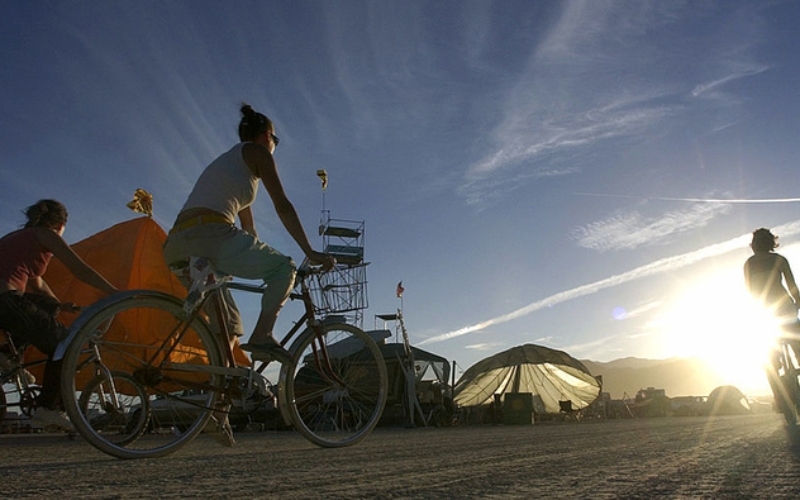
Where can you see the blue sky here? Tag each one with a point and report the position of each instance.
(573, 174)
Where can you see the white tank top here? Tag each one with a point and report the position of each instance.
(226, 186)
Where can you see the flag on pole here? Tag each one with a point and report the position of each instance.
(323, 176)
(400, 290)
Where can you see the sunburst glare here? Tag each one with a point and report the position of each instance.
(715, 320)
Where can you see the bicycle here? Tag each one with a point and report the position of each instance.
(22, 388)
(144, 372)
(783, 376)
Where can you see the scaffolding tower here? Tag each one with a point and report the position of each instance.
(343, 290)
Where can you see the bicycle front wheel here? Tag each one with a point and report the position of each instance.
(165, 375)
(3, 403)
(336, 391)
(116, 406)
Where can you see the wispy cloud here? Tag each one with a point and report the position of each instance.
(483, 346)
(553, 111)
(714, 85)
(529, 148)
(632, 230)
(657, 267)
(726, 201)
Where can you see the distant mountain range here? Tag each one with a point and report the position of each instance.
(678, 377)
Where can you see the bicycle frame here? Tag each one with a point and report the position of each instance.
(215, 298)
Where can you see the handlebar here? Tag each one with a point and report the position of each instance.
(307, 268)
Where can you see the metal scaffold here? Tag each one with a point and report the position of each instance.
(344, 289)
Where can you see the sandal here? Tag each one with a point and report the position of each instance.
(267, 352)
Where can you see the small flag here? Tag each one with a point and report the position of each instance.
(323, 176)
(400, 290)
(142, 202)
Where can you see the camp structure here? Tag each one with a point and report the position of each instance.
(431, 377)
(528, 378)
(128, 255)
(728, 400)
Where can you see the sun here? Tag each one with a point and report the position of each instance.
(715, 319)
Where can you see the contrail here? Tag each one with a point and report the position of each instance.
(740, 201)
(657, 267)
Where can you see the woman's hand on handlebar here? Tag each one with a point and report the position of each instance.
(322, 259)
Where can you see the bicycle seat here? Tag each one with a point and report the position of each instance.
(200, 276)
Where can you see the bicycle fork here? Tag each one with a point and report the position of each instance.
(102, 370)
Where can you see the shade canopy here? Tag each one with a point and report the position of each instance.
(548, 374)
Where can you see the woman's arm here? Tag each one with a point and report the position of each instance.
(40, 287)
(789, 279)
(262, 162)
(54, 243)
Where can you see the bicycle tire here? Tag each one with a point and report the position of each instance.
(787, 403)
(790, 414)
(126, 330)
(25, 395)
(117, 407)
(3, 403)
(29, 399)
(337, 403)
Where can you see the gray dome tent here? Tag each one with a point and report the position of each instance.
(728, 400)
(549, 375)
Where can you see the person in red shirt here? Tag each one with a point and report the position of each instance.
(28, 307)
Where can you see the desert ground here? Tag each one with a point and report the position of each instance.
(712, 457)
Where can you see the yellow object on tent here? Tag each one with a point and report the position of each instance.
(142, 202)
(129, 256)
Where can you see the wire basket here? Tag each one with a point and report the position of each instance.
(342, 289)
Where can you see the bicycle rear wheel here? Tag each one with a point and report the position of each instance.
(20, 394)
(165, 374)
(336, 391)
(786, 399)
(787, 390)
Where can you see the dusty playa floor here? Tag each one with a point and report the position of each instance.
(725, 457)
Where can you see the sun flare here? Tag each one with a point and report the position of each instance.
(715, 320)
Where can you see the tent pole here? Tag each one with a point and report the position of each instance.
(453, 385)
(411, 376)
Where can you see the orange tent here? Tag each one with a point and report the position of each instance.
(129, 256)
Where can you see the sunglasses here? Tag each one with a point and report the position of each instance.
(275, 139)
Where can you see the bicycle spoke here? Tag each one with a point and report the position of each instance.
(337, 389)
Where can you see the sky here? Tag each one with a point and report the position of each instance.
(579, 175)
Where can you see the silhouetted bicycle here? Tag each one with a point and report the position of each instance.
(783, 373)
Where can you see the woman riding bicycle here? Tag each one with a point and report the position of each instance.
(765, 273)
(28, 307)
(205, 228)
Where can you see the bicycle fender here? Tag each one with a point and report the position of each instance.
(98, 306)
